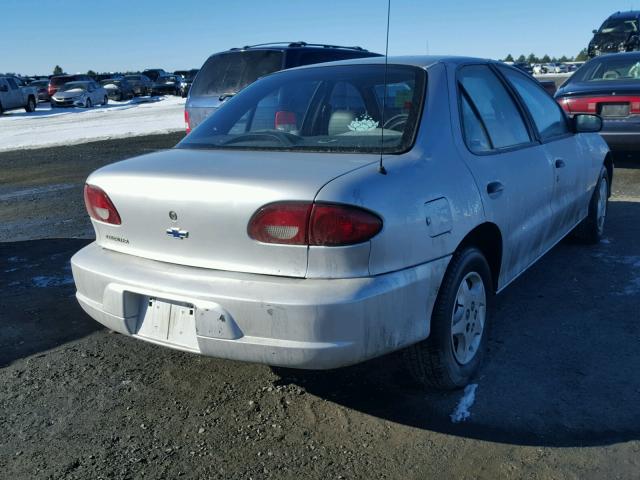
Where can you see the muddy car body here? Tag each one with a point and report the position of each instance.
(276, 232)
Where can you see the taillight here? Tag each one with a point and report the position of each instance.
(592, 105)
(51, 90)
(100, 206)
(187, 122)
(305, 223)
(281, 223)
(333, 225)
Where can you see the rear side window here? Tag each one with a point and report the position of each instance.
(12, 84)
(547, 115)
(231, 72)
(496, 108)
(474, 132)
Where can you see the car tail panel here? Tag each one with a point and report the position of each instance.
(193, 207)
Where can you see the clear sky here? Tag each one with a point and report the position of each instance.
(118, 35)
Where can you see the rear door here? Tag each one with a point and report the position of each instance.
(511, 168)
(14, 94)
(570, 164)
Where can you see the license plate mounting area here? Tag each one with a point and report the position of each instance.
(167, 321)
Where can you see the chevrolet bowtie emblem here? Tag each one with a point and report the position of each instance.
(177, 233)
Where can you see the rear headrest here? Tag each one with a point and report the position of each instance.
(339, 122)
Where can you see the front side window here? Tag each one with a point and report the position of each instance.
(547, 115)
(495, 106)
(320, 109)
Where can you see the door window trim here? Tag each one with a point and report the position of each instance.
(523, 114)
(523, 105)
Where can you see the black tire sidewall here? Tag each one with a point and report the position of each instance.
(468, 260)
(604, 176)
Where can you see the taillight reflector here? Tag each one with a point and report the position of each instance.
(99, 205)
(306, 223)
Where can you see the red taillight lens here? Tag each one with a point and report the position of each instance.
(100, 206)
(187, 123)
(333, 225)
(592, 105)
(303, 223)
(51, 90)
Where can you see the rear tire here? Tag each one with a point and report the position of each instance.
(1, 109)
(30, 106)
(105, 101)
(88, 103)
(591, 229)
(451, 355)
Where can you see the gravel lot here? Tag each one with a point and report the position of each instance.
(557, 397)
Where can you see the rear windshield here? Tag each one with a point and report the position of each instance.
(60, 80)
(615, 67)
(326, 109)
(74, 86)
(231, 72)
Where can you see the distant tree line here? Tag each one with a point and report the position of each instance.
(532, 58)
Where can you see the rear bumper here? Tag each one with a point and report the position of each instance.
(299, 323)
(622, 135)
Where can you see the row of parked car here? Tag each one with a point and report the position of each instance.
(82, 90)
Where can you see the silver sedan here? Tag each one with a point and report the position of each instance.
(333, 213)
(80, 94)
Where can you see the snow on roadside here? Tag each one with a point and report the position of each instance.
(461, 413)
(69, 126)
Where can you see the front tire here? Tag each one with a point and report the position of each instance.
(105, 100)
(591, 229)
(87, 103)
(449, 358)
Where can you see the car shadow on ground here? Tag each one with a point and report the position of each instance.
(563, 359)
(38, 310)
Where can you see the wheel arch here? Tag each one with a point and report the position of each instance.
(488, 239)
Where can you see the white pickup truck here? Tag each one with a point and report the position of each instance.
(13, 96)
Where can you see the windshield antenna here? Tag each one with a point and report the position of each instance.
(381, 168)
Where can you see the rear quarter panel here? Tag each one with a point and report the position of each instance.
(431, 171)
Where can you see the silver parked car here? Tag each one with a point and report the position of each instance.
(277, 231)
(85, 93)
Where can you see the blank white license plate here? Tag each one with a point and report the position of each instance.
(168, 322)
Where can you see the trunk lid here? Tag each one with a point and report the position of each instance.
(192, 207)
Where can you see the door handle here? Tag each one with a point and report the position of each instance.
(560, 163)
(495, 189)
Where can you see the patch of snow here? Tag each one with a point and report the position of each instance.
(605, 241)
(462, 413)
(46, 282)
(48, 127)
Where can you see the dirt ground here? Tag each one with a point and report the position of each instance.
(557, 398)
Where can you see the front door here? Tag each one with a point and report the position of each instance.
(511, 168)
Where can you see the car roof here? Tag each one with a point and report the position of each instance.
(609, 56)
(422, 61)
(282, 46)
(631, 14)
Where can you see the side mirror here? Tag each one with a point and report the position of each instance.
(587, 123)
